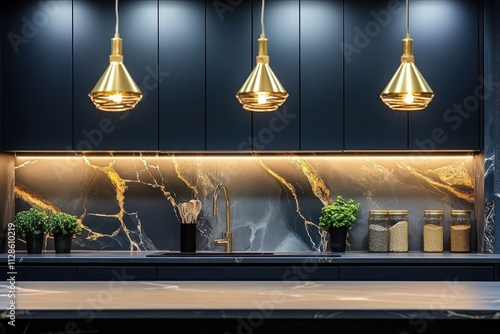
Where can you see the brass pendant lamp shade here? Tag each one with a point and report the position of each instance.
(262, 91)
(115, 91)
(407, 89)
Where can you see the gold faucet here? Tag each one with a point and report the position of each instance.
(227, 237)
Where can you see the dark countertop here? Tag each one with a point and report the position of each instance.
(149, 257)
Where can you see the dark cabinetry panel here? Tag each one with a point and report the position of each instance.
(93, 28)
(279, 130)
(228, 63)
(37, 75)
(446, 52)
(191, 57)
(310, 272)
(417, 273)
(372, 52)
(182, 75)
(116, 273)
(46, 273)
(220, 273)
(2, 19)
(321, 76)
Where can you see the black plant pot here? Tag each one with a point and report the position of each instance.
(338, 237)
(34, 243)
(62, 242)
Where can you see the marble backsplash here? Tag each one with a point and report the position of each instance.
(128, 202)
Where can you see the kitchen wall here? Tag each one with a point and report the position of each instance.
(127, 202)
(355, 120)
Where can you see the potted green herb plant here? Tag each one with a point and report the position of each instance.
(32, 225)
(337, 218)
(63, 227)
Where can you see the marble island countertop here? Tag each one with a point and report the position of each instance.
(307, 300)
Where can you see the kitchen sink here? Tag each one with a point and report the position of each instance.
(240, 254)
(231, 254)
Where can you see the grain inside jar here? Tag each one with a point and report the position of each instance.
(398, 231)
(433, 233)
(460, 231)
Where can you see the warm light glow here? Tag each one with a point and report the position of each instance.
(116, 98)
(262, 98)
(409, 98)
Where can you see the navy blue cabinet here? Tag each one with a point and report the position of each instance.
(372, 51)
(94, 24)
(321, 76)
(279, 130)
(1, 73)
(189, 58)
(37, 75)
(182, 75)
(228, 63)
(446, 48)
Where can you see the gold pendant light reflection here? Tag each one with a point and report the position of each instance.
(407, 89)
(115, 91)
(262, 91)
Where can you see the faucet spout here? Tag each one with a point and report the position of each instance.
(227, 237)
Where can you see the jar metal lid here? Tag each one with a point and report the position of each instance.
(460, 212)
(433, 212)
(378, 212)
(398, 212)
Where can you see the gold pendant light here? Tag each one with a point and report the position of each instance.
(262, 91)
(407, 89)
(116, 90)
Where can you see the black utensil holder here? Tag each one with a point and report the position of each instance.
(188, 237)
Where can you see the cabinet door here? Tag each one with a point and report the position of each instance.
(219, 273)
(321, 76)
(46, 273)
(446, 49)
(417, 273)
(372, 53)
(94, 26)
(116, 273)
(182, 70)
(2, 20)
(37, 53)
(228, 64)
(279, 130)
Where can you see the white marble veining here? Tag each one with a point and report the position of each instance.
(446, 297)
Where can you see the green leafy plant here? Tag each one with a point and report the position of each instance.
(64, 223)
(339, 214)
(31, 221)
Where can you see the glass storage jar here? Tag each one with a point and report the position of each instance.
(433, 235)
(460, 228)
(398, 230)
(378, 231)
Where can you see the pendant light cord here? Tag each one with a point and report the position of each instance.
(262, 17)
(117, 18)
(407, 17)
